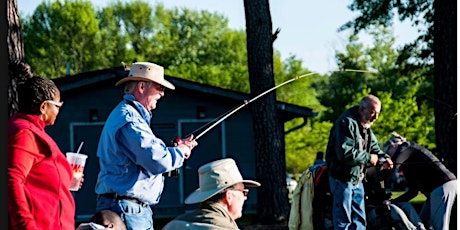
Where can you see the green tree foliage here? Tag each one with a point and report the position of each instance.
(195, 45)
(405, 105)
(419, 12)
(302, 144)
(435, 46)
(136, 22)
(114, 39)
(62, 33)
(300, 91)
(404, 115)
(199, 46)
(407, 117)
(386, 74)
(338, 90)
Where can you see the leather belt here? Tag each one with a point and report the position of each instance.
(120, 197)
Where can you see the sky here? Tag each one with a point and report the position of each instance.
(308, 27)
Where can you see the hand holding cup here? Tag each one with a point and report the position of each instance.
(77, 163)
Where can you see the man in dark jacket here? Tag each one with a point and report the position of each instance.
(426, 174)
(351, 147)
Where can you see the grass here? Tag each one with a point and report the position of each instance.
(417, 201)
(420, 198)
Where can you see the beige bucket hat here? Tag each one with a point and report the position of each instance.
(216, 176)
(146, 71)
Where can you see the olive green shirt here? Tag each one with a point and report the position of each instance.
(208, 216)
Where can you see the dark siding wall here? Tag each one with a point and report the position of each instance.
(77, 106)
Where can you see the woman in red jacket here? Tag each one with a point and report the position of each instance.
(39, 175)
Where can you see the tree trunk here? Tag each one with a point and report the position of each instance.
(445, 86)
(15, 51)
(445, 81)
(272, 199)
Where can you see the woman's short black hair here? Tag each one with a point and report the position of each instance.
(33, 92)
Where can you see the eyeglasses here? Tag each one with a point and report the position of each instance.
(159, 87)
(245, 191)
(57, 104)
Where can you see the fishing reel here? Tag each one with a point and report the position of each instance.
(175, 172)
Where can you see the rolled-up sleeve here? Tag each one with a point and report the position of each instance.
(143, 148)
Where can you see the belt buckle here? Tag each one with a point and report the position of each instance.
(135, 200)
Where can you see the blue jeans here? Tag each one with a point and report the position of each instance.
(348, 210)
(135, 216)
(437, 208)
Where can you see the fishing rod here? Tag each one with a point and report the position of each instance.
(246, 102)
(227, 114)
(176, 141)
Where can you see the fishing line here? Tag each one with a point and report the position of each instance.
(224, 116)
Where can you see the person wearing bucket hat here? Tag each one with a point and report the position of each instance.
(132, 159)
(426, 174)
(221, 195)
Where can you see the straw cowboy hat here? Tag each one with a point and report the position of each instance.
(146, 71)
(216, 176)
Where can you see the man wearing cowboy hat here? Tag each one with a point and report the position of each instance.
(131, 158)
(221, 196)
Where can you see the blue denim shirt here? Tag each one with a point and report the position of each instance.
(132, 159)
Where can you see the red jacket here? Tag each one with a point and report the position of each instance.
(39, 178)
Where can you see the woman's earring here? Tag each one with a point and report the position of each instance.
(44, 116)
